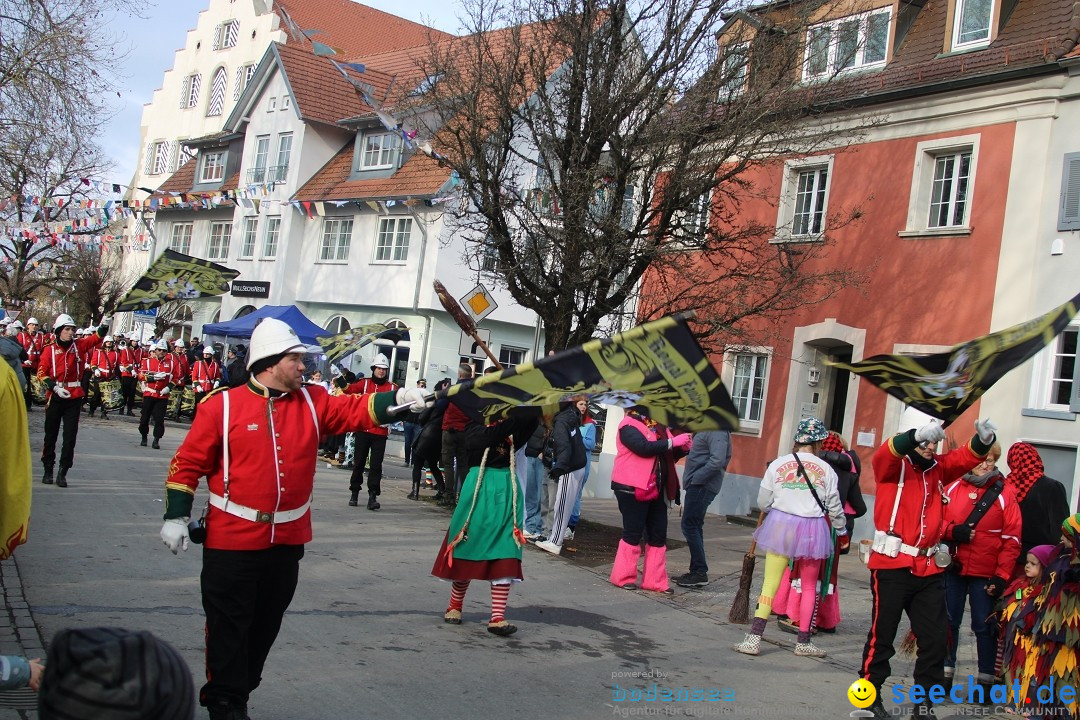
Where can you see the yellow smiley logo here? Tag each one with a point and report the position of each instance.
(862, 693)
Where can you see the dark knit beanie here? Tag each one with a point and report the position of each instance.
(114, 674)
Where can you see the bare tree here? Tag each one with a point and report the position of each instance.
(603, 147)
(98, 280)
(173, 314)
(55, 74)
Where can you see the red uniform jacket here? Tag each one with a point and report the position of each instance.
(33, 345)
(183, 368)
(920, 518)
(273, 446)
(65, 367)
(103, 363)
(151, 365)
(996, 543)
(204, 374)
(127, 361)
(368, 385)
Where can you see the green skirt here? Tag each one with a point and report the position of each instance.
(482, 529)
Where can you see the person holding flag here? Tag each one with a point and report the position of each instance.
(61, 369)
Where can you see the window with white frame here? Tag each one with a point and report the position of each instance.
(511, 356)
(748, 375)
(392, 244)
(271, 104)
(242, 78)
(1069, 205)
(379, 150)
(337, 232)
(226, 35)
(734, 69)
(941, 186)
(247, 244)
(804, 198)
(696, 220)
(270, 236)
(284, 153)
(213, 166)
(286, 102)
(220, 236)
(489, 255)
(1063, 368)
(971, 23)
(219, 85)
(158, 155)
(189, 91)
(180, 239)
(849, 43)
(257, 174)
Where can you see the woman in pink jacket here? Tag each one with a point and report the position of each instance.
(645, 481)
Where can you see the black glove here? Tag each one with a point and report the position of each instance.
(962, 533)
(995, 586)
(555, 474)
(341, 382)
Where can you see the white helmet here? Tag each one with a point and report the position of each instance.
(179, 343)
(16, 324)
(5, 320)
(108, 339)
(161, 345)
(63, 321)
(380, 362)
(13, 329)
(207, 350)
(272, 337)
(32, 321)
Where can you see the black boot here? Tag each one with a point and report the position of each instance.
(878, 709)
(61, 479)
(47, 478)
(372, 503)
(104, 415)
(415, 494)
(143, 442)
(130, 412)
(156, 445)
(354, 498)
(92, 411)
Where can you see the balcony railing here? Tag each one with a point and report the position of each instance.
(274, 173)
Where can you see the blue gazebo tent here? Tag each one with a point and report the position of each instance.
(289, 314)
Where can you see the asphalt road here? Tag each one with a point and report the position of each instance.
(364, 636)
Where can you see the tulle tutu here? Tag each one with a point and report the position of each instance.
(794, 536)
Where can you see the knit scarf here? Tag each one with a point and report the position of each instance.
(981, 480)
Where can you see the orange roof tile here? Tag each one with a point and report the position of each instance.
(322, 93)
(420, 176)
(354, 28)
(183, 180)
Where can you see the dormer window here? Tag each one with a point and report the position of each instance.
(213, 166)
(855, 42)
(735, 65)
(971, 23)
(380, 150)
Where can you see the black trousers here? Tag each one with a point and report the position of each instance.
(363, 444)
(153, 408)
(923, 599)
(95, 396)
(245, 594)
(643, 518)
(195, 408)
(61, 412)
(455, 459)
(431, 460)
(127, 387)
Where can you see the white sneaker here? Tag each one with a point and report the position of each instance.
(532, 536)
(569, 534)
(808, 649)
(750, 646)
(549, 546)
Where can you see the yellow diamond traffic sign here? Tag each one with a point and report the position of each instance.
(479, 303)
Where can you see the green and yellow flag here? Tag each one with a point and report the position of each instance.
(15, 470)
(175, 276)
(340, 345)
(659, 365)
(946, 384)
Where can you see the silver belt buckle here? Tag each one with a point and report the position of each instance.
(264, 517)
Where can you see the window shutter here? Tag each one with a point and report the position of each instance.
(184, 87)
(1074, 399)
(232, 34)
(1069, 215)
(239, 83)
(196, 85)
(149, 164)
(218, 87)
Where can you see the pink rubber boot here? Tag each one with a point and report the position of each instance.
(624, 571)
(655, 577)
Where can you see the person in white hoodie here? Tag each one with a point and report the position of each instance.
(799, 492)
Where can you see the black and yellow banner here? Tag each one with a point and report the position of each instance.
(342, 344)
(658, 365)
(946, 384)
(175, 276)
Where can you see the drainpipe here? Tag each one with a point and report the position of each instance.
(428, 320)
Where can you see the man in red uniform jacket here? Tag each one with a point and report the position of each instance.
(904, 577)
(33, 343)
(205, 376)
(371, 441)
(158, 373)
(265, 437)
(182, 374)
(103, 367)
(61, 368)
(127, 359)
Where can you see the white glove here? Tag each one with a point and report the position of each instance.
(164, 392)
(986, 430)
(161, 375)
(932, 433)
(106, 322)
(416, 398)
(174, 534)
(62, 392)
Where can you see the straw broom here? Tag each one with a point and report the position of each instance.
(740, 607)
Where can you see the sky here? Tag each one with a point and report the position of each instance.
(146, 47)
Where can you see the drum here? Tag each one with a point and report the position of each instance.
(112, 397)
(187, 404)
(37, 389)
(175, 398)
